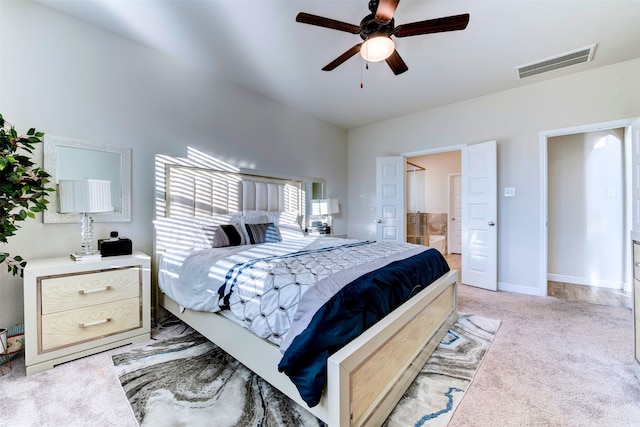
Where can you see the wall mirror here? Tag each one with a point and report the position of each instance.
(67, 158)
(314, 189)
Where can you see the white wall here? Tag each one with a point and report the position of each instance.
(586, 208)
(515, 119)
(69, 79)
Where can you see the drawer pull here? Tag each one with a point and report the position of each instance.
(106, 288)
(97, 322)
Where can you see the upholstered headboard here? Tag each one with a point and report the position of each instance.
(197, 192)
(190, 199)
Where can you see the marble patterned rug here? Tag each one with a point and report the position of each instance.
(183, 379)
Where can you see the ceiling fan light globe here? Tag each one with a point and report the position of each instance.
(377, 48)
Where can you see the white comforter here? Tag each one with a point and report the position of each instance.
(263, 285)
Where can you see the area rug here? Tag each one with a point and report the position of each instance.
(183, 379)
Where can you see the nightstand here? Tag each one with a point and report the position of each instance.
(76, 308)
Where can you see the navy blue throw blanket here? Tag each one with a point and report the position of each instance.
(350, 312)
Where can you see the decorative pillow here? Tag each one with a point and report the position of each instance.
(251, 219)
(227, 235)
(262, 233)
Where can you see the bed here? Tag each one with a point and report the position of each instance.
(359, 383)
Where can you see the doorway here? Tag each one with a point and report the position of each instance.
(478, 170)
(585, 183)
(428, 198)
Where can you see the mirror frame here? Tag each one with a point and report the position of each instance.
(51, 144)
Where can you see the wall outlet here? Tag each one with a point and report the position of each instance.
(509, 192)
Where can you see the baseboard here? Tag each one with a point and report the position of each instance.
(519, 289)
(611, 284)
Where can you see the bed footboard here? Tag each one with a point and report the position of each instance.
(376, 369)
(368, 376)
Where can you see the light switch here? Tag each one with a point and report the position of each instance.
(509, 192)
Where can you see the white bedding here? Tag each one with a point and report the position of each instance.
(267, 297)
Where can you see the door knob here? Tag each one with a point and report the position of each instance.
(379, 221)
(491, 223)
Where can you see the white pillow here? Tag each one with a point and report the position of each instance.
(180, 233)
(190, 232)
(288, 224)
(253, 214)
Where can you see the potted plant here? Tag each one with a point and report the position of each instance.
(23, 187)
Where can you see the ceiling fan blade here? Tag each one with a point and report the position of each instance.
(340, 59)
(307, 18)
(439, 25)
(396, 63)
(386, 9)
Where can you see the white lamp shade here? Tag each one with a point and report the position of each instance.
(84, 195)
(377, 48)
(333, 206)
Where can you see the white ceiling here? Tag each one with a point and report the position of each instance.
(258, 44)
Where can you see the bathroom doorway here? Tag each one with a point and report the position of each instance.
(428, 201)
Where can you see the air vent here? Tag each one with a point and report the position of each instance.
(563, 60)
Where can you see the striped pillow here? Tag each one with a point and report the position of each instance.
(263, 233)
(227, 235)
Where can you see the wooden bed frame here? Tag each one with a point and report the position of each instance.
(368, 376)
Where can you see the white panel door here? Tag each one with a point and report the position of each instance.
(455, 214)
(479, 216)
(390, 209)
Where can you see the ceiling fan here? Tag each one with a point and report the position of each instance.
(376, 30)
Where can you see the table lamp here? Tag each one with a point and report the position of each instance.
(85, 196)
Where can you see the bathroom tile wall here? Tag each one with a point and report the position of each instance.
(422, 225)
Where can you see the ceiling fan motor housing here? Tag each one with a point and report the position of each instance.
(370, 26)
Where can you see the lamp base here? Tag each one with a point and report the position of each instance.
(87, 253)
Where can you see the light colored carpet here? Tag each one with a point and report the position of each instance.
(552, 363)
(186, 380)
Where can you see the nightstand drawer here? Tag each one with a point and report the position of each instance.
(84, 324)
(83, 290)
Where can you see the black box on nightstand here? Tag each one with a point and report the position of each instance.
(110, 247)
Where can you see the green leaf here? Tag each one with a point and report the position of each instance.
(31, 131)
